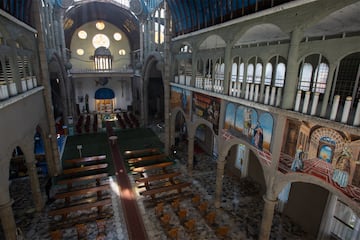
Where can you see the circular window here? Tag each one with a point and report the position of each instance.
(100, 25)
(100, 40)
(117, 36)
(122, 52)
(82, 34)
(80, 51)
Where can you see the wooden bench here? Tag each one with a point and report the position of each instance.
(85, 206)
(190, 225)
(173, 233)
(84, 191)
(162, 165)
(85, 159)
(70, 181)
(178, 187)
(56, 234)
(158, 177)
(222, 231)
(210, 218)
(81, 231)
(85, 168)
(140, 152)
(147, 158)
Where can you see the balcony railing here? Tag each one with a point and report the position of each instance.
(9, 89)
(345, 111)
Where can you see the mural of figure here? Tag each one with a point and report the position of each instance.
(298, 163)
(258, 136)
(342, 168)
(247, 122)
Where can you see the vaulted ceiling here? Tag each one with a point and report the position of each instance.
(120, 16)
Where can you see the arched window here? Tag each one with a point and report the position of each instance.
(320, 78)
(233, 72)
(250, 73)
(258, 73)
(305, 77)
(241, 72)
(280, 75)
(268, 73)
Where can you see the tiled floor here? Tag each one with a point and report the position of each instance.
(241, 209)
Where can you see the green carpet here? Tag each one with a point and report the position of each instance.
(93, 144)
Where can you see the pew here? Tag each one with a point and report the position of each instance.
(85, 159)
(190, 225)
(83, 206)
(173, 233)
(210, 218)
(147, 158)
(158, 177)
(85, 168)
(162, 165)
(81, 231)
(222, 231)
(70, 181)
(154, 191)
(56, 235)
(84, 191)
(141, 152)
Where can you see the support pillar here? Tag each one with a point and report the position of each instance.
(190, 155)
(8, 220)
(35, 185)
(267, 218)
(292, 70)
(219, 180)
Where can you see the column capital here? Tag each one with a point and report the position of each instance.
(6, 205)
(270, 201)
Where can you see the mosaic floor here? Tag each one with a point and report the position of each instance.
(241, 210)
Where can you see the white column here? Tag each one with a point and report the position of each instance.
(357, 115)
(298, 99)
(256, 94)
(315, 103)
(306, 102)
(278, 97)
(272, 98)
(238, 92)
(247, 91)
(345, 114)
(251, 96)
(335, 107)
(267, 94)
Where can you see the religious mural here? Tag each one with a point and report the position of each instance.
(207, 108)
(180, 98)
(325, 153)
(247, 123)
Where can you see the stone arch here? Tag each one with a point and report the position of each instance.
(318, 133)
(153, 68)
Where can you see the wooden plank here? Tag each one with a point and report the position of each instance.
(85, 168)
(158, 177)
(154, 191)
(85, 159)
(145, 151)
(74, 208)
(147, 158)
(153, 166)
(82, 191)
(84, 178)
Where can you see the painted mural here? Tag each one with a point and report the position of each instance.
(180, 98)
(247, 123)
(325, 153)
(207, 108)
